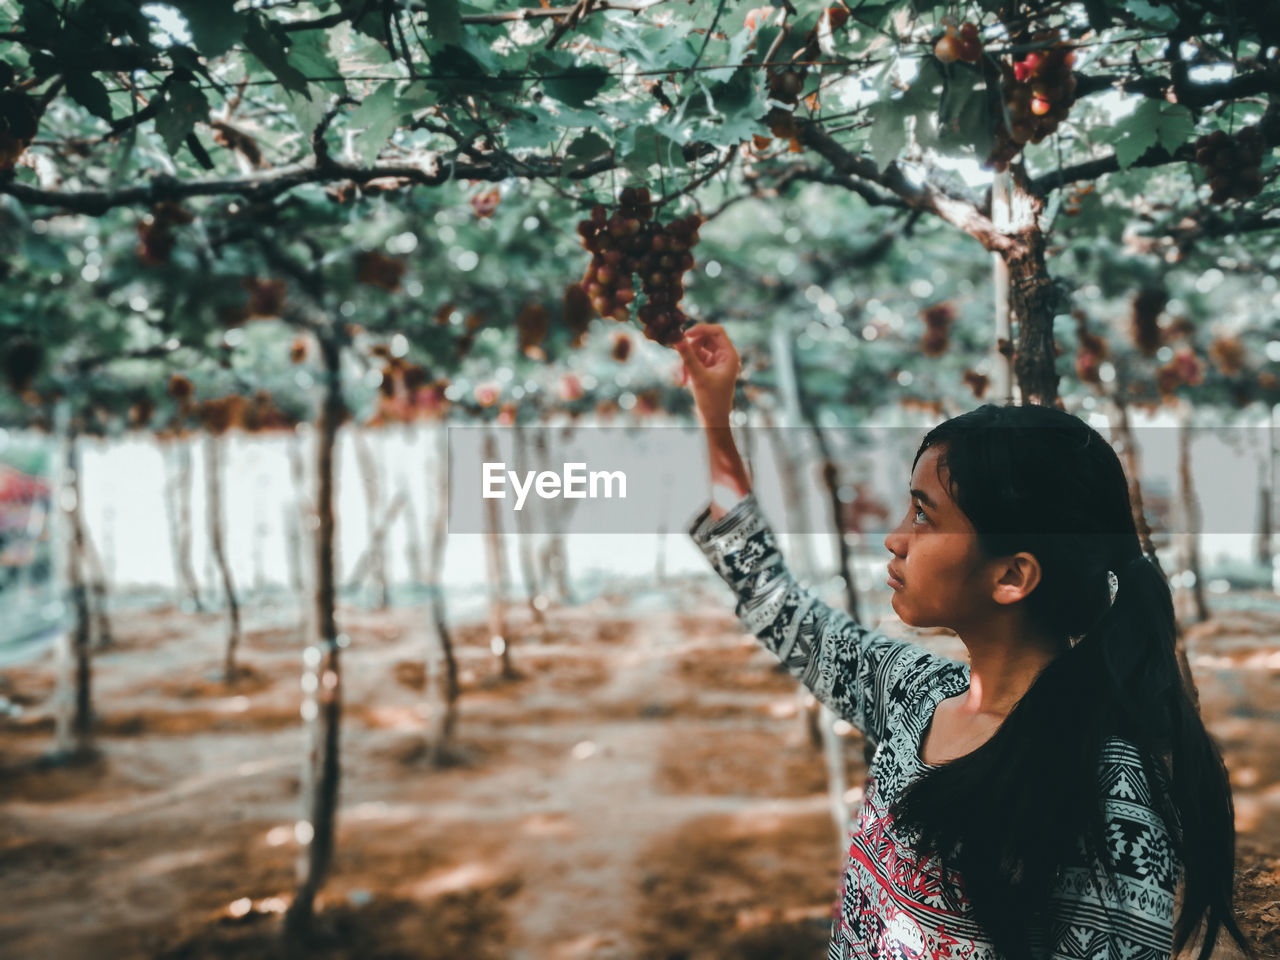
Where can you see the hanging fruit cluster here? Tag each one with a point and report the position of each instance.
(977, 382)
(621, 347)
(1091, 350)
(1184, 369)
(937, 333)
(156, 239)
(1038, 91)
(532, 324)
(486, 202)
(1148, 304)
(963, 45)
(631, 242)
(378, 270)
(1228, 355)
(1232, 164)
(18, 120)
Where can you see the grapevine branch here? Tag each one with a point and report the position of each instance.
(960, 212)
(1155, 157)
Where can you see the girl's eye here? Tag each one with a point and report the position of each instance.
(920, 513)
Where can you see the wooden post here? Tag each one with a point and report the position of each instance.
(322, 677)
(441, 698)
(213, 509)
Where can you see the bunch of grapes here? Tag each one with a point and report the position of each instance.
(1038, 92)
(1228, 355)
(937, 335)
(1148, 304)
(1184, 368)
(156, 239)
(1232, 164)
(1091, 350)
(19, 119)
(532, 324)
(977, 382)
(631, 242)
(964, 45)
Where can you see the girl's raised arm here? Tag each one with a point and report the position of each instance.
(860, 674)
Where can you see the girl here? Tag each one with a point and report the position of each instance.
(1041, 801)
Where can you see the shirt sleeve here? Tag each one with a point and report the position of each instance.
(860, 674)
(1129, 914)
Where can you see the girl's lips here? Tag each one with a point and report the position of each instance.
(893, 581)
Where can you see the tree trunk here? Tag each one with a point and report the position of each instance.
(441, 699)
(499, 642)
(1189, 508)
(75, 701)
(1002, 379)
(322, 678)
(213, 493)
(663, 534)
(833, 756)
(524, 543)
(1267, 553)
(296, 515)
(375, 553)
(98, 591)
(1123, 440)
(179, 499)
(555, 561)
(1031, 295)
(412, 538)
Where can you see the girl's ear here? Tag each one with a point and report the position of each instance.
(1019, 575)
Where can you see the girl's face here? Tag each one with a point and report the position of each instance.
(936, 561)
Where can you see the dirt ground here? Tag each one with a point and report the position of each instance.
(647, 790)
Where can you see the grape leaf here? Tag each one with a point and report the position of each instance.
(587, 147)
(568, 81)
(270, 51)
(379, 116)
(1163, 17)
(444, 21)
(184, 105)
(888, 133)
(215, 26)
(88, 91)
(1153, 123)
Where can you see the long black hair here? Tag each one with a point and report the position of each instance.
(1008, 815)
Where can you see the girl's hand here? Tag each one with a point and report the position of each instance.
(711, 368)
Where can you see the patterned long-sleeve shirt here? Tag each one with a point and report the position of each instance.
(893, 903)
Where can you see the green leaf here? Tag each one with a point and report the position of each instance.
(644, 146)
(444, 20)
(587, 147)
(888, 134)
(1153, 123)
(87, 90)
(737, 109)
(1163, 17)
(184, 106)
(530, 131)
(309, 53)
(379, 116)
(270, 51)
(40, 19)
(738, 45)
(215, 26)
(570, 82)
(963, 116)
